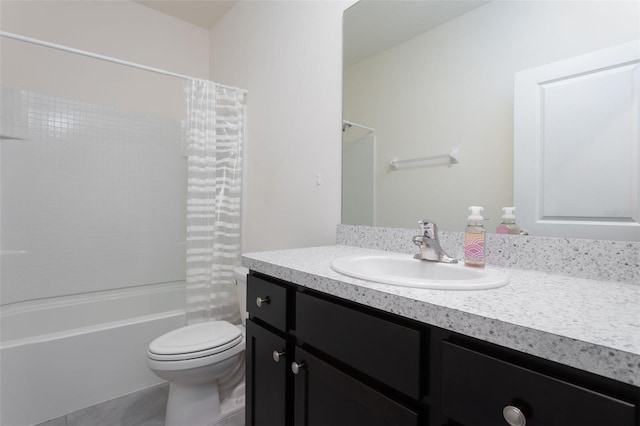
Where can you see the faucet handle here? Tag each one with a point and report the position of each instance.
(428, 229)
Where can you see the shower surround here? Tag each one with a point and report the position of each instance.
(93, 243)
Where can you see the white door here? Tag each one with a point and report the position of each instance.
(576, 146)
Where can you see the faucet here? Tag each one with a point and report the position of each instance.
(429, 244)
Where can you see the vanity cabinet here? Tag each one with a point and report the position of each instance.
(366, 361)
(268, 377)
(383, 350)
(484, 390)
(312, 362)
(325, 395)
(317, 360)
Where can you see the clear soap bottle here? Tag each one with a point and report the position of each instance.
(508, 223)
(474, 238)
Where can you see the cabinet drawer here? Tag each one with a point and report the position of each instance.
(325, 396)
(267, 301)
(476, 388)
(381, 349)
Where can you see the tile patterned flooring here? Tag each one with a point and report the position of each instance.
(141, 408)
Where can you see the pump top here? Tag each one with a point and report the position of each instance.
(476, 215)
(509, 213)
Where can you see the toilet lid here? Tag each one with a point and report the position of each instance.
(197, 340)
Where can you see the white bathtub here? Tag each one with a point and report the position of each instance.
(62, 354)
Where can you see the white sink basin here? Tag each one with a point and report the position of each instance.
(404, 270)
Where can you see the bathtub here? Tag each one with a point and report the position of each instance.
(62, 354)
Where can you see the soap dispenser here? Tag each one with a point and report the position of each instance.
(474, 238)
(508, 224)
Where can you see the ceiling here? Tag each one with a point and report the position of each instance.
(371, 26)
(393, 21)
(203, 13)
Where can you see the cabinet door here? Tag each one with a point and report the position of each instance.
(323, 395)
(266, 377)
(379, 348)
(479, 390)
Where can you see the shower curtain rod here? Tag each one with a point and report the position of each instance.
(351, 123)
(103, 57)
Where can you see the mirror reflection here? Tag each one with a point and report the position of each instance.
(425, 78)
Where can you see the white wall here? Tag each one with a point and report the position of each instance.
(452, 87)
(120, 29)
(288, 54)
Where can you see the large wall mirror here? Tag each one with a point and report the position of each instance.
(425, 79)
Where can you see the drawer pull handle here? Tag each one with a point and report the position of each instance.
(260, 301)
(514, 416)
(276, 355)
(295, 367)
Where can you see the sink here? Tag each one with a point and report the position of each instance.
(404, 270)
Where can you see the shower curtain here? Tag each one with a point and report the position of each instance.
(214, 136)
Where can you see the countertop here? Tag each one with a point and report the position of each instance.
(588, 324)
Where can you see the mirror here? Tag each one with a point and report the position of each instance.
(422, 78)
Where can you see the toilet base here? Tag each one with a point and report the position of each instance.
(193, 404)
(230, 412)
(232, 408)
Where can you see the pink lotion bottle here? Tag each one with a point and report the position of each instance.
(474, 238)
(508, 224)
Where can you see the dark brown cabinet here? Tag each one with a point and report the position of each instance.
(266, 377)
(482, 390)
(267, 301)
(317, 360)
(383, 350)
(324, 395)
(313, 362)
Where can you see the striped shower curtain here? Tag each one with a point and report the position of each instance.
(214, 136)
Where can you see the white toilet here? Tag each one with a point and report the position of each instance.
(204, 365)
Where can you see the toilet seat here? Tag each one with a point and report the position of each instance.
(195, 341)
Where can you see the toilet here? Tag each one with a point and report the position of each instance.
(204, 365)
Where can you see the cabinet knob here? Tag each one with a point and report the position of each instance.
(276, 355)
(295, 367)
(514, 416)
(260, 301)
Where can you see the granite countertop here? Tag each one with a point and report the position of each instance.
(588, 324)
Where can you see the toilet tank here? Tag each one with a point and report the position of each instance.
(240, 274)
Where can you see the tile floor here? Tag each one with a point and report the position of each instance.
(142, 408)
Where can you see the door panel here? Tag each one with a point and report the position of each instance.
(325, 396)
(266, 378)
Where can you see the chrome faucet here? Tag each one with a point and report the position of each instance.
(430, 245)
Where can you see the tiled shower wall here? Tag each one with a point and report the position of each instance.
(92, 197)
